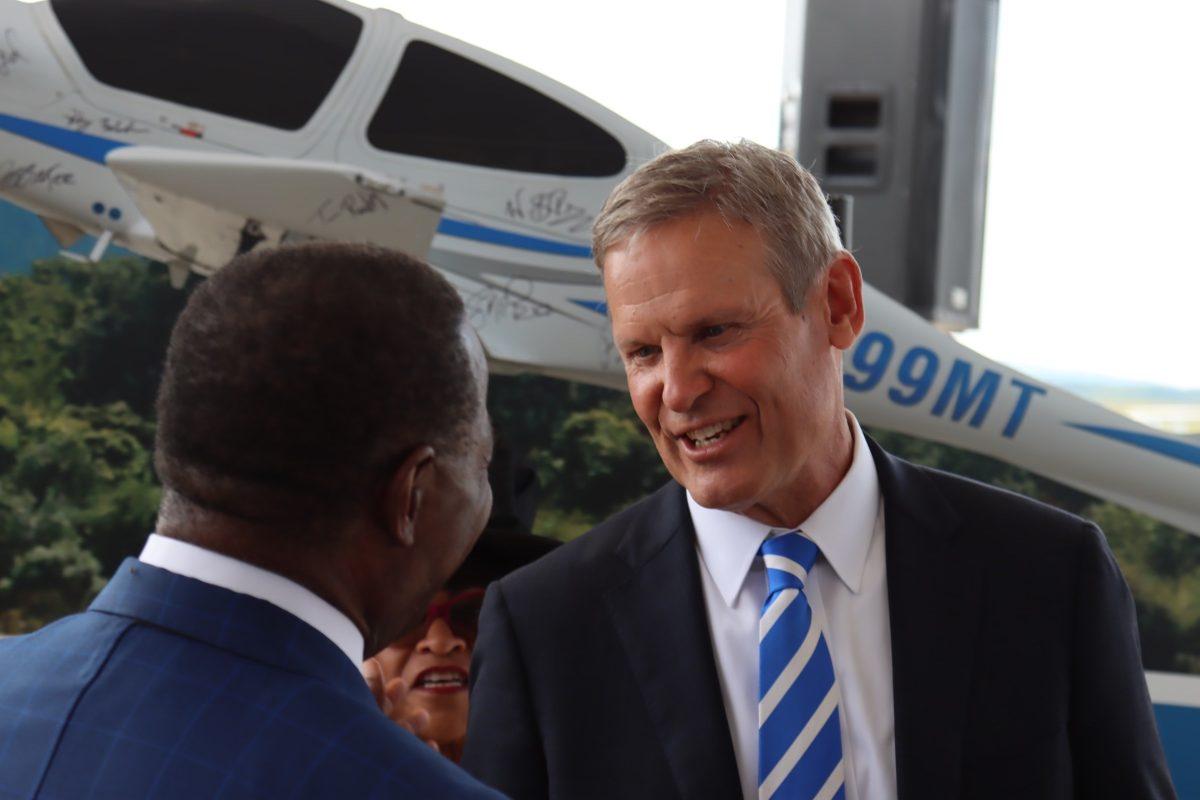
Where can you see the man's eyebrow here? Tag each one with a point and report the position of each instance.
(690, 326)
(715, 318)
(726, 316)
(626, 342)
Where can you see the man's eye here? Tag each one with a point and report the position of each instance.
(710, 331)
(643, 352)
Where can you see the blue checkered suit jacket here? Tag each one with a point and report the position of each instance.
(168, 687)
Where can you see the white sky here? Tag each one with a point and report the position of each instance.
(1089, 266)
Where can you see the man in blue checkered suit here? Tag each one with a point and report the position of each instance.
(323, 445)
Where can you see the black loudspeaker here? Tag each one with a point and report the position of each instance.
(889, 103)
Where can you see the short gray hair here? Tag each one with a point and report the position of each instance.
(742, 182)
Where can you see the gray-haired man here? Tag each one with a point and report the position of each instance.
(798, 613)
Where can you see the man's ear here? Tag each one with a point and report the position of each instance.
(844, 300)
(404, 494)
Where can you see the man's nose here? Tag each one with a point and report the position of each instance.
(685, 378)
(440, 640)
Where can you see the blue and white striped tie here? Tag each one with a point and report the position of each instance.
(799, 736)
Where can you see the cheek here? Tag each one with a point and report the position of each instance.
(645, 395)
(392, 659)
(794, 417)
(471, 496)
(485, 506)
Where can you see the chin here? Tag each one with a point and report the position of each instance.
(713, 494)
(447, 732)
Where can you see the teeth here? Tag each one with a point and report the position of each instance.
(442, 679)
(710, 433)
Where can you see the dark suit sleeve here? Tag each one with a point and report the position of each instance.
(503, 747)
(1114, 738)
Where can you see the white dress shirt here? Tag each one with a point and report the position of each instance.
(847, 589)
(229, 573)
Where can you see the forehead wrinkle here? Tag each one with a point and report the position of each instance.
(652, 282)
(645, 286)
(658, 300)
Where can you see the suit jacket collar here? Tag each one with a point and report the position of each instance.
(660, 621)
(245, 625)
(219, 569)
(933, 605)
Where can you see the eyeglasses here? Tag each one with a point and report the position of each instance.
(460, 613)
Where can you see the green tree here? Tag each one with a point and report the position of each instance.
(77, 494)
(591, 452)
(81, 350)
(982, 468)
(528, 409)
(87, 334)
(602, 460)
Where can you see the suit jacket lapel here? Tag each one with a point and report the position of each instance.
(659, 617)
(933, 602)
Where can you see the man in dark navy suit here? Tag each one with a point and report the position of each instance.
(323, 445)
(798, 614)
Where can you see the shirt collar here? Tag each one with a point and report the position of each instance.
(218, 569)
(842, 527)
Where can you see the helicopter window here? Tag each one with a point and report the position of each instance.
(445, 106)
(269, 61)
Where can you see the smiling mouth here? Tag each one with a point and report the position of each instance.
(709, 435)
(442, 680)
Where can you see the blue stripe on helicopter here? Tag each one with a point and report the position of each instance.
(84, 145)
(480, 233)
(598, 306)
(95, 148)
(1170, 448)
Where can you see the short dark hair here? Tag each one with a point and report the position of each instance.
(297, 376)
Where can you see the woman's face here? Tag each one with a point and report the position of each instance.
(432, 661)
